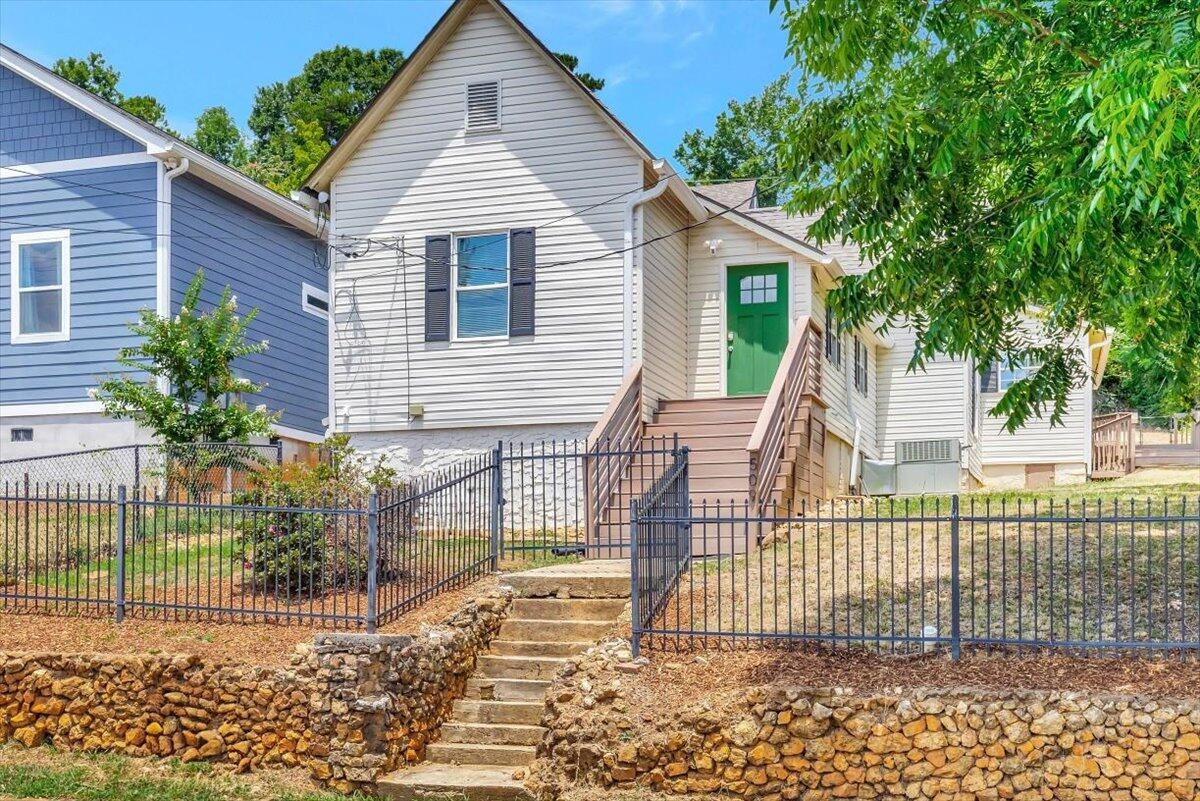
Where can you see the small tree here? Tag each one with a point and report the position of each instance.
(192, 354)
(185, 389)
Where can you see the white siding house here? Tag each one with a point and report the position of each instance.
(506, 254)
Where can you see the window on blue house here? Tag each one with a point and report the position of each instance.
(481, 285)
(41, 286)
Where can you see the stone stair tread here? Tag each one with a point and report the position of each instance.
(566, 648)
(468, 710)
(480, 754)
(492, 733)
(508, 689)
(473, 782)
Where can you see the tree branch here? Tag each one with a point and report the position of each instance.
(1042, 31)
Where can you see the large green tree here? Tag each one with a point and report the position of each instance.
(218, 135)
(589, 80)
(295, 122)
(1006, 158)
(744, 141)
(96, 75)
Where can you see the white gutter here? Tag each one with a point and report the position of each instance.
(642, 196)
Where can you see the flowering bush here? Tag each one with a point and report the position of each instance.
(302, 547)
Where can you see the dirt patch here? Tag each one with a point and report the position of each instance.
(249, 643)
(675, 681)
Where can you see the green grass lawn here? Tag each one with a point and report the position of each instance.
(51, 774)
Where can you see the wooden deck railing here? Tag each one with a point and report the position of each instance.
(799, 375)
(611, 444)
(1113, 443)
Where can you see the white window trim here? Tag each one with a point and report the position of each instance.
(1001, 386)
(307, 289)
(63, 237)
(455, 288)
(499, 105)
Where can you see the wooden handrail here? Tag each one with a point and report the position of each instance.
(630, 385)
(799, 375)
(611, 445)
(1113, 444)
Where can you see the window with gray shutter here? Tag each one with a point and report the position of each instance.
(522, 278)
(991, 378)
(437, 288)
(483, 106)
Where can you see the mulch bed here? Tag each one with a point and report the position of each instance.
(674, 681)
(248, 643)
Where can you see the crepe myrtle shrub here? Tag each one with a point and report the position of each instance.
(181, 384)
(297, 548)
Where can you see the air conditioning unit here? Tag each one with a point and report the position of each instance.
(928, 466)
(878, 478)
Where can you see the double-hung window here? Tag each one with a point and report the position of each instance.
(1010, 374)
(861, 366)
(481, 285)
(41, 286)
(833, 339)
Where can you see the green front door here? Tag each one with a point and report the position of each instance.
(756, 311)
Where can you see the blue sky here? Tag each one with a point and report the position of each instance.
(671, 65)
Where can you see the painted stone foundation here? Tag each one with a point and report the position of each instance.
(804, 743)
(349, 707)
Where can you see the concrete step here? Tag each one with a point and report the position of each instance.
(518, 667)
(492, 733)
(479, 754)
(595, 578)
(606, 609)
(428, 781)
(536, 648)
(528, 713)
(485, 689)
(554, 630)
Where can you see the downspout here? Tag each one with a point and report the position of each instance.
(641, 197)
(164, 242)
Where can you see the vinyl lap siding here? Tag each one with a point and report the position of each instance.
(112, 275)
(418, 174)
(663, 314)
(265, 262)
(705, 286)
(1037, 442)
(926, 404)
(36, 126)
(837, 389)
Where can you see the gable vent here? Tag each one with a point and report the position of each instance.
(483, 106)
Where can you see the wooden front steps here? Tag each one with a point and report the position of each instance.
(716, 431)
(493, 733)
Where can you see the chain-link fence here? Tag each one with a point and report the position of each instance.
(191, 470)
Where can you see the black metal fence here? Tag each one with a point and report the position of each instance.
(904, 576)
(571, 497)
(186, 542)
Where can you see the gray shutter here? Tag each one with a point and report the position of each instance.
(437, 288)
(991, 379)
(522, 263)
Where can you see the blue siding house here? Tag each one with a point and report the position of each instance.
(101, 215)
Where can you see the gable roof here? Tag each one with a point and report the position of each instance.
(412, 67)
(161, 144)
(771, 224)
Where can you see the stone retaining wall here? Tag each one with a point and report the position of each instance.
(804, 743)
(349, 708)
